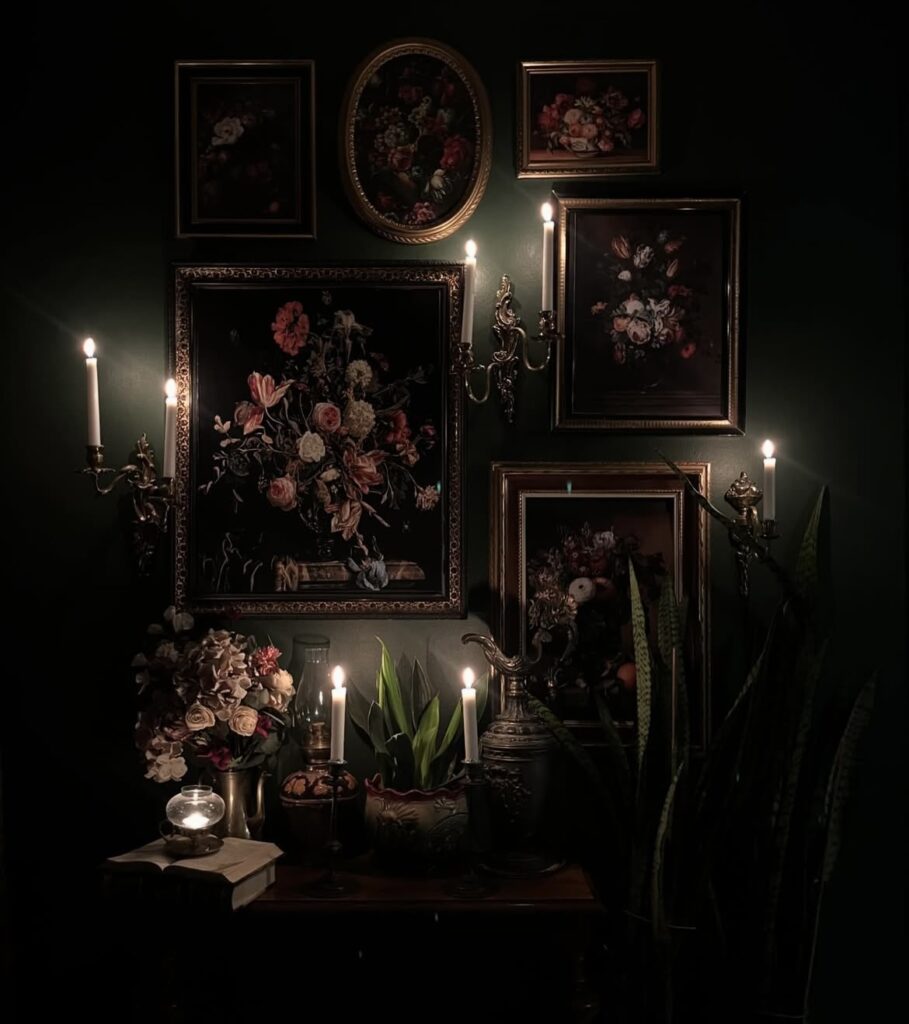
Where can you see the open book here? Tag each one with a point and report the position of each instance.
(244, 867)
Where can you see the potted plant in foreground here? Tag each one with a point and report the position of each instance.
(416, 805)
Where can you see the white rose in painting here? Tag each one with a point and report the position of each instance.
(227, 131)
(310, 447)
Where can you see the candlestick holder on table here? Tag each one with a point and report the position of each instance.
(152, 495)
(329, 886)
(472, 885)
(514, 348)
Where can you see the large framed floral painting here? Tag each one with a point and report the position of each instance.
(563, 540)
(245, 148)
(648, 301)
(416, 141)
(319, 440)
(584, 118)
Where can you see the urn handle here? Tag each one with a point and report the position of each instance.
(516, 666)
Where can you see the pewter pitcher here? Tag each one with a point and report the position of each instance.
(241, 820)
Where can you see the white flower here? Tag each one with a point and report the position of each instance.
(359, 373)
(221, 426)
(581, 590)
(330, 474)
(625, 275)
(280, 686)
(437, 181)
(359, 418)
(166, 769)
(180, 622)
(311, 447)
(604, 539)
(643, 255)
(227, 131)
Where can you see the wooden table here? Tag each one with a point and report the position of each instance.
(528, 939)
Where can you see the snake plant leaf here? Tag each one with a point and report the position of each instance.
(391, 692)
(424, 743)
(400, 749)
(669, 639)
(659, 909)
(807, 569)
(842, 772)
(420, 692)
(358, 706)
(642, 665)
(375, 724)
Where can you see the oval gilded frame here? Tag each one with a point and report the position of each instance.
(482, 142)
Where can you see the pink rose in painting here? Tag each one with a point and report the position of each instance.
(688, 350)
(620, 324)
(263, 390)
(548, 119)
(291, 328)
(249, 416)
(674, 245)
(636, 118)
(678, 291)
(605, 144)
(326, 416)
(398, 428)
(638, 331)
(457, 152)
(589, 131)
(282, 493)
(422, 213)
(572, 116)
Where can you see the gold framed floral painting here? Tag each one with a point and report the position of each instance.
(587, 118)
(319, 440)
(416, 141)
(564, 539)
(648, 306)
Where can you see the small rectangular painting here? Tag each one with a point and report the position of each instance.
(648, 304)
(587, 118)
(245, 148)
(319, 440)
(565, 539)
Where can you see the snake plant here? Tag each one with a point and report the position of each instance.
(401, 724)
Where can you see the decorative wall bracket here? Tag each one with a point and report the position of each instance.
(744, 496)
(152, 496)
(511, 337)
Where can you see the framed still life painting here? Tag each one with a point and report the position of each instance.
(416, 141)
(648, 300)
(319, 440)
(564, 539)
(585, 118)
(245, 148)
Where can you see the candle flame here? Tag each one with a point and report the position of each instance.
(546, 211)
(337, 677)
(468, 677)
(768, 449)
(170, 388)
(196, 820)
(471, 248)
(89, 348)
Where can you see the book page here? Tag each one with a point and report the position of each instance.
(236, 860)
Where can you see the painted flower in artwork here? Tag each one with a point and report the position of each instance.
(579, 594)
(594, 119)
(649, 307)
(328, 440)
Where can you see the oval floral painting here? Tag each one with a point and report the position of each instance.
(416, 141)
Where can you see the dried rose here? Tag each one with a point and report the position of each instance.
(199, 717)
(244, 720)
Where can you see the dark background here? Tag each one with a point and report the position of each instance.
(798, 115)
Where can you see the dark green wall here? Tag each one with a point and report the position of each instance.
(800, 119)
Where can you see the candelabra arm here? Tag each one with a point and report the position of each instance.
(548, 336)
(487, 372)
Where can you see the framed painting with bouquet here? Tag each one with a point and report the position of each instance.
(319, 440)
(648, 301)
(584, 118)
(563, 538)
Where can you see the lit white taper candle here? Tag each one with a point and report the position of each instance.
(470, 285)
(338, 708)
(548, 240)
(769, 480)
(170, 428)
(469, 704)
(94, 405)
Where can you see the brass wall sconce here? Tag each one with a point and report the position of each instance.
(512, 338)
(745, 496)
(152, 494)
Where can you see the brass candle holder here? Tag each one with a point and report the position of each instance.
(152, 495)
(514, 348)
(745, 496)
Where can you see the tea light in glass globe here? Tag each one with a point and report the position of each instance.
(195, 809)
